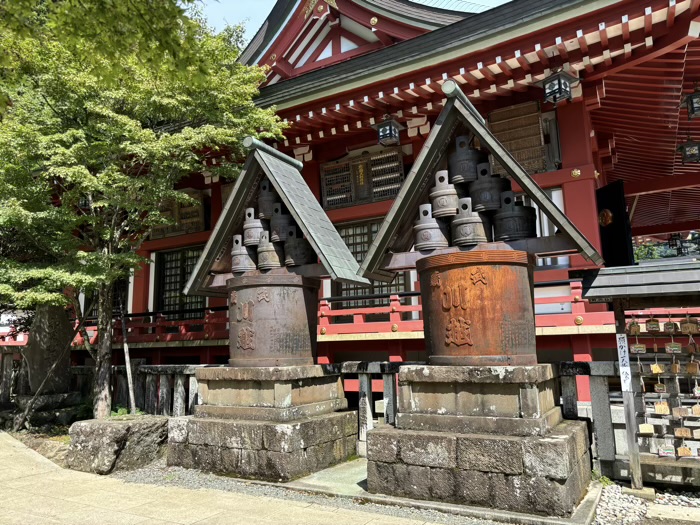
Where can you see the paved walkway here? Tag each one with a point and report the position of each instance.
(35, 491)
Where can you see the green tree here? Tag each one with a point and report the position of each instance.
(87, 161)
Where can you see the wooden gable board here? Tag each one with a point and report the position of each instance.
(396, 232)
(283, 172)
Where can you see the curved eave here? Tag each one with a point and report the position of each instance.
(416, 15)
(472, 34)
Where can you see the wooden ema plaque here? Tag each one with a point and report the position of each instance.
(661, 408)
(682, 433)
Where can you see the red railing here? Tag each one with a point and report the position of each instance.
(397, 316)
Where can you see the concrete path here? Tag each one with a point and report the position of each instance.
(35, 491)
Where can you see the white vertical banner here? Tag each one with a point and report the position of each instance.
(623, 355)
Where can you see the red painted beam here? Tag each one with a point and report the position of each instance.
(663, 184)
(659, 229)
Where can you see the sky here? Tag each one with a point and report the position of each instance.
(254, 12)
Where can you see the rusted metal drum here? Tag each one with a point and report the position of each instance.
(478, 308)
(464, 160)
(273, 320)
(514, 220)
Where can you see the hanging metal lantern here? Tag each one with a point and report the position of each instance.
(692, 103)
(690, 151)
(388, 132)
(558, 87)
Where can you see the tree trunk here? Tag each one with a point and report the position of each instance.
(102, 402)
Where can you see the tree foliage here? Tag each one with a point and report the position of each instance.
(87, 160)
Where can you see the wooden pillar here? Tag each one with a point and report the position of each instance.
(630, 387)
(142, 278)
(583, 352)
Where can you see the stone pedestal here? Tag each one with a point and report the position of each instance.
(275, 424)
(479, 435)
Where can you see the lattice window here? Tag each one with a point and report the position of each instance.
(173, 269)
(362, 179)
(187, 218)
(358, 237)
(519, 129)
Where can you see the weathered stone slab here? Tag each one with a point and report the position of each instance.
(271, 451)
(51, 333)
(476, 374)
(490, 470)
(481, 425)
(270, 414)
(124, 443)
(272, 373)
(499, 454)
(50, 401)
(556, 455)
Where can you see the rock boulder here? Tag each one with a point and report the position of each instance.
(118, 443)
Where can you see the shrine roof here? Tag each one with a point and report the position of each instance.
(284, 174)
(402, 11)
(470, 34)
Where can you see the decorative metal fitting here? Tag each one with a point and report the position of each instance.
(576, 173)
(273, 57)
(323, 331)
(322, 314)
(394, 328)
(374, 21)
(577, 298)
(578, 320)
(393, 308)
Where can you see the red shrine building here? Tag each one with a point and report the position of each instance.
(610, 150)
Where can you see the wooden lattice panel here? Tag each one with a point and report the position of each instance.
(519, 129)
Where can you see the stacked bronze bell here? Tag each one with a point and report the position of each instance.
(467, 200)
(271, 238)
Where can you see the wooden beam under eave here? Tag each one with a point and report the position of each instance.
(660, 229)
(663, 184)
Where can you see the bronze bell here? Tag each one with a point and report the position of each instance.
(467, 226)
(241, 256)
(279, 224)
(297, 250)
(443, 196)
(464, 160)
(266, 200)
(486, 191)
(270, 254)
(252, 228)
(514, 220)
(429, 234)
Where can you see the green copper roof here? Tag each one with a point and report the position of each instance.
(284, 174)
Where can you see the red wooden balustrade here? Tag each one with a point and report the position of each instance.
(394, 317)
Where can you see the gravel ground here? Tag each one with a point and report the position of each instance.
(678, 499)
(158, 473)
(616, 508)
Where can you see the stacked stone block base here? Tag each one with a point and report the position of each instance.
(274, 424)
(486, 436)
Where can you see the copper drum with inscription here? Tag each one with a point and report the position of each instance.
(478, 308)
(273, 320)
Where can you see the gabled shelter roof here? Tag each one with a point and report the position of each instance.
(284, 174)
(658, 284)
(395, 234)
